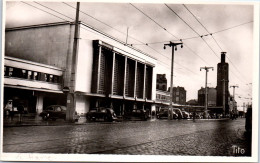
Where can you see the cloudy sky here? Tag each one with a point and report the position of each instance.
(151, 25)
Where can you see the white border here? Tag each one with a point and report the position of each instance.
(148, 158)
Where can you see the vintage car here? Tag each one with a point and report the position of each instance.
(56, 112)
(137, 114)
(185, 115)
(101, 114)
(164, 112)
(178, 112)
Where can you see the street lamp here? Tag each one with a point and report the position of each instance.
(174, 47)
(206, 90)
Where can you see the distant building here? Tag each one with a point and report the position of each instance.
(212, 94)
(161, 82)
(162, 95)
(179, 95)
(223, 83)
(192, 102)
(233, 105)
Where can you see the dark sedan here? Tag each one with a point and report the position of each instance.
(164, 113)
(137, 114)
(56, 112)
(104, 114)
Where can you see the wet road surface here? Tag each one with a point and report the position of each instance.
(153, 137)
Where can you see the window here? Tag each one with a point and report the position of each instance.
(35, 76)
(10, 71)
(29, 74)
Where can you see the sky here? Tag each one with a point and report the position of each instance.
(151, 25)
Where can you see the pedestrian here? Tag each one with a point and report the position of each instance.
(20, 109)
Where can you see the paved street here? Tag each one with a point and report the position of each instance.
(153, 137)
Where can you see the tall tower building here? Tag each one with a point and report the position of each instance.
(223, 83)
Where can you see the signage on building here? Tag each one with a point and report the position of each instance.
(66, 90)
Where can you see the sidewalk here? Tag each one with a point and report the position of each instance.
(36, 120)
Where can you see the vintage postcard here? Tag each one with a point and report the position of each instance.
(130, 81)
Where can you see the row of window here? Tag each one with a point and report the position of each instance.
(32, 75)
(104, 71)
(162, 97)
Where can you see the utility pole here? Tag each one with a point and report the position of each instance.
(206, 89)
(71, 95)
(244, 109)
(234, 87)
(174, 47)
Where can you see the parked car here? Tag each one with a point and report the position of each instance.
(137, 113)
(185, 115)
(178, 112)
(102, 113)
(164, 113)
(56, 112)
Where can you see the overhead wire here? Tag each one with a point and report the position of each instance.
(83, 28)
(167, 31)
(131, 37)
(188, 38)
(192, 29)
(44, 11)
(202, 38)
(202, 26)
(153, 20)
(211, 35)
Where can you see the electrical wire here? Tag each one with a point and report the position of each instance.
(44, 11)
(53, 10)
(202, 26)
(203, 39)
(211, 36)
(192, 30)
(153, 20)
(167, 31)
(232, 27)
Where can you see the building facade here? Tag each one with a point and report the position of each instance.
(39, 63)
(223, 84)
(179, 95)
(161, 82)
(212, 96)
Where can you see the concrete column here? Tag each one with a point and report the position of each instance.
(71, 103)
(135, 79)
(99, 60)
(125, 76)
(39, 103)
(113, 73)
(144, 81)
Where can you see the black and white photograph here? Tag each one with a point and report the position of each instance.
(158, 81)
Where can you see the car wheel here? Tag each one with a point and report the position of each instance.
(45, 118)
(88, 119)
(105, 118)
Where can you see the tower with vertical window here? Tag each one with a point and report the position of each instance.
(223, 79)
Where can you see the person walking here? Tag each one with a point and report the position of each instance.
(20, 109)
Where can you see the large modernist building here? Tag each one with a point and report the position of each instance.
(39, 63)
